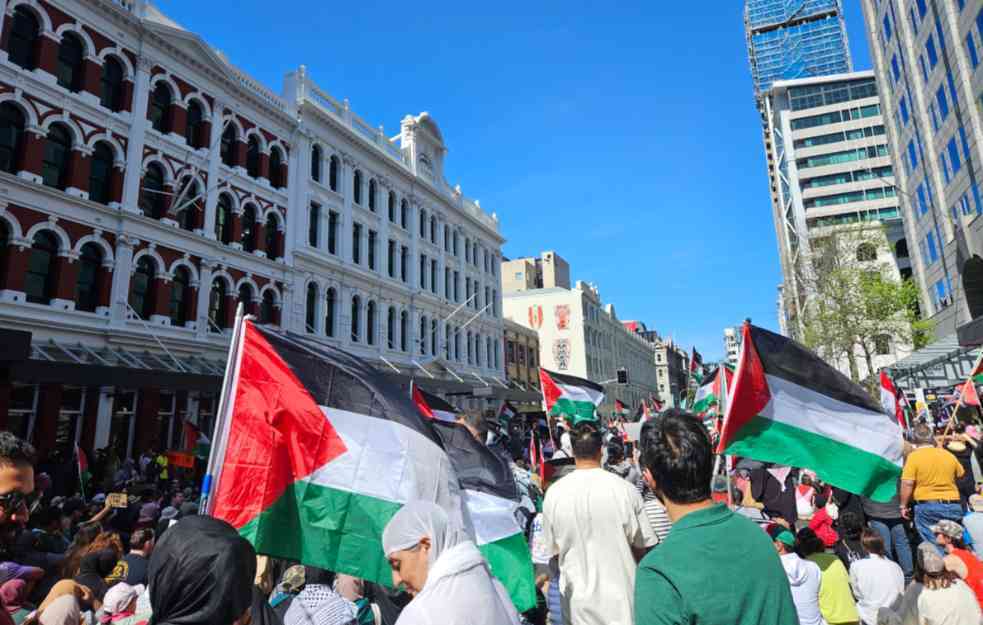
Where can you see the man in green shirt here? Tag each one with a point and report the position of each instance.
(715, 567)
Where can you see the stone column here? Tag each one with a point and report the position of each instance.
(204, 288)
(92, 77)
(121, 279)
(79, 168)
(138, 128)
(47, 52)
(104, 417)
(345, 177)
(66, 276)
(214, 162)
(161, 297)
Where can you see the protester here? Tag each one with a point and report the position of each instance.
(877, 582)
(944, 599)
(619, 465)
(774, 486)
(849, 548)
(700, 574)
(928, 480)
(317, 603)
(804, 576)
(836, 601)
(958, 559)
(749, 512)
(887, 520)
(120, 602)
(132, 568)
(595, 522)
(822, 523)
(973, 522)
(805, 494)
(443, 570)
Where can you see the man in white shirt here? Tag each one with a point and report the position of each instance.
(876, 581)
(595, 522)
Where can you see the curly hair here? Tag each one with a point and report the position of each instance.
(14, 450)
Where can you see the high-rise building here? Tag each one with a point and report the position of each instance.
(927, 57)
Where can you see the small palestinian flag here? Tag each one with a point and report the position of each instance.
(891, 399)
(696, 366)
(506, 412)
(195, 441)
(619, 407)
(968, 395)
(977, 373)
(83, 467)
(789, 407)
(710, 393)
(576, 399)
(315, 452)
(432, 406)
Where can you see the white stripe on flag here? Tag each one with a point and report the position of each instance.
(581, 393)
(493, 517)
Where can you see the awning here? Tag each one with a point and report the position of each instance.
(942, 363)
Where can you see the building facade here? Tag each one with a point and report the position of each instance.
(926, 55)
(580, 336)
(549, 270)
(522, 362)
(149, 187)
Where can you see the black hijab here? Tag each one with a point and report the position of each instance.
(94, 569)
(201, 573)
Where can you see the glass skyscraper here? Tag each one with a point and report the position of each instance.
(789, 39)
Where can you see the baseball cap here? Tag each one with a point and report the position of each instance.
(119, 597)
(168, 513)
(929, 556)
(99, 498)
(947, 528)
(976, 503)
(781, 534)
(12, 570)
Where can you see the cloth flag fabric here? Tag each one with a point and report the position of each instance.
(789, 407)
(619, 406)
(506, 412)
(83, 467)
(709, 394)
(575, 398)
(696, 366)
(195, 440)
(890, 399)
(315, 451)
(432, 406)
(968, 395)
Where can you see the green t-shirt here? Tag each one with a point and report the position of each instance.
(714, 568)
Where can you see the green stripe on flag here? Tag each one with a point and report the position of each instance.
(573, 410)
(840, 464)
(511, 562)
(704, 403)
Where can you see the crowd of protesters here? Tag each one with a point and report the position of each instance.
(644, 532)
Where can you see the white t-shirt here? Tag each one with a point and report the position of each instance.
(877, 583)
(955, 605)
(591, 520)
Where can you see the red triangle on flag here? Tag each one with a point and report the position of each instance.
(750, 393)
(420, 401)
(969, 396)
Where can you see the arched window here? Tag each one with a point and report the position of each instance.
(23, 38)
(100, 172)
(192, 131)
(391, 328)
(223, 219)
(111, 84)
(87, 285)
(272, 251)
(227, 149)
(370, 323)
(276, 169)
(266, 311)
(392, 207)
(252, 157)
(316, 163)
(152, 198)
(11, 136)
(180, 295)
(57, 147)
(403, 327)
(141, 284)
(70, 54)
(217, 306)
(357, 187)
(866, 251)
(372, 191)
(329, 312)
(423, 334)
(404, 213)
(333, 173)
(310, 320)
(246, 297)
(189, 205)
(356, 317)
(160, 101)
(249, 228)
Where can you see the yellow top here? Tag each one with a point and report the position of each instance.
(934, 472)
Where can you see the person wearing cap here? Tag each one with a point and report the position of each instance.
(120, 602)
(715, 567)
(944, 598)
(958, 559)
(928, 480)
(973, 522)
(168, 517)
(877, 582)
(595, 523)
(804, 577)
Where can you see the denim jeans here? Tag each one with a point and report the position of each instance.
(895, 537)
(928, 514)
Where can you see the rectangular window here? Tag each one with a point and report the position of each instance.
(976, 198)
(943, 102)
(922, 9)
(974, 59)
(933, 251)
(372, 245)
(912, 156)
(404, 261)
(356, 243)
(941, 294)
(922, 204)
(391, 259)
(423, 271)
(921, 63)
(895, 70)
(903, 107)
(313, 225)
(447, 283)
(952, 88)
(962, 138)
(457, 287)
(887, 27)
(946, 173)
(433, 276)
(934, 114)
(954, 159)
(933, 55)
(423, 223)
(332, 232)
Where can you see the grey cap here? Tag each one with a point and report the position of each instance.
(930, 558)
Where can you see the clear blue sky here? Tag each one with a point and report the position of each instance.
(623, 136)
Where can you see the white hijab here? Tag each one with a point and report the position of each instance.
(460, 589)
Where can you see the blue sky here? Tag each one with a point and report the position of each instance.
(623, 136)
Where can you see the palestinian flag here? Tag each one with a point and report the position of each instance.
(83, 467)
(195, 440)
(711, 392)
(977, 373)
(506, 412)
(968, 395)
(696, 366)
(432, 406)
(576, 399)
(619, 407)
(789, 407)
(891, 399)
(314, 452)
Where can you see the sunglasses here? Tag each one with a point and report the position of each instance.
(14, 500)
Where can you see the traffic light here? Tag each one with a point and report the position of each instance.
(622, 376)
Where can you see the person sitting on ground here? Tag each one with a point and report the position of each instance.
(822, 524)
(836, 602)
(877, 582)
(945, 599)
(443, 570)
(691, 577)
(805, 494)
(318, 603)
(132, 568)
(958, 559)
(804, 576)
(849, 548)
(94, 570)
(120, 602)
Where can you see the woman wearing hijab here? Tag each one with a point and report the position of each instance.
(443, 570)
(94, 570)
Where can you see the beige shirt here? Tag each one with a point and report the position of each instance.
(591, 520)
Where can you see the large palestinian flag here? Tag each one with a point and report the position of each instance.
(788, 406)
(709, 395)
(567, 396)
(314, 452)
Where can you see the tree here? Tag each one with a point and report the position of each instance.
(855, 299)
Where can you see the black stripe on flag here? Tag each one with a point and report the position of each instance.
(784, 358)
(571, 380)
(437, 403)
(477, 467)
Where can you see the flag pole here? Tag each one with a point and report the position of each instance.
(721, 408)
(217, 449)
(959, 402)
